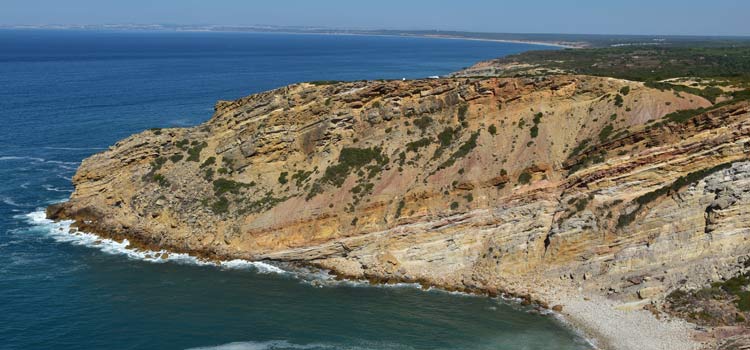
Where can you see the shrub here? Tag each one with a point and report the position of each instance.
(578, 149)
(160, 179)
(534, 131)
(524, 178)
(209, 174)
(605, 133)
(625, 90)
(462, 151)
(220, 206)
(182, 143)
(282, 178)
(423, 123)
(222, 186)
(208, 162)
(175, 158)
(300, 177)
(195, 151)
(462, 110)
(618, 100)
(492, 129)
(454, 205)
(416, 145)
(352, 159)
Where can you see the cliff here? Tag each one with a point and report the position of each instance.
(524, 185)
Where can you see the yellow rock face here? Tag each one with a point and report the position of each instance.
(464, 183)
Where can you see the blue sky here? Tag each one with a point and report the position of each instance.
(688, 17)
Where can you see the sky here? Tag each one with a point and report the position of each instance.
(664, 17)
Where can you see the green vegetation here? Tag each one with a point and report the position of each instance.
(222, 186)
(324, 82)
(685, 115)
(156, 131)
(737, 286)
(208, 174)
(301, 177)
(492, 129)
(182, 144)
(220, 206)
(195, 151)
(605, 133)
(524, 178)
(643, 63)
(175, 158)
(160, 179)
(268, 201)
(710, 93)
(625, 90)
(400, 208)
(462, 110)
(578, 149)
(423, 123)
(416, 145)
(454, 205)
(208, 162)
(351, 160)
(446, 139)
(282, 178)
(700, 305)
(462, 151)
(619, 100)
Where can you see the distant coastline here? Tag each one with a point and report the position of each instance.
(385, 33)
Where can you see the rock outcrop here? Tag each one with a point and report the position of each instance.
(509, 184)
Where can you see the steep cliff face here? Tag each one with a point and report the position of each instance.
(496, 183)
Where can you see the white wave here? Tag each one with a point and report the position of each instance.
(55, 189)
(21, 158)
(266, 345)
(40, 160)
(61, 162)
(77, 148)
(9, 201)
(60, 231)
(286, 345)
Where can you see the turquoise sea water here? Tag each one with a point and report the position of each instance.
(65, 95)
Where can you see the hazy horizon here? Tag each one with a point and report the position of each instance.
(637, 17)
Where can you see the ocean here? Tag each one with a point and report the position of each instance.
(67, 94)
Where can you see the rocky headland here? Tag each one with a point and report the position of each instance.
(598, 197)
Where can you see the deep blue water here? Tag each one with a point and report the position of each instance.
(65, 95)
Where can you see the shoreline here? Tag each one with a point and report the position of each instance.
(599, 322)
(423, 36)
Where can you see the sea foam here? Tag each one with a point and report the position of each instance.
(60, 231)
(286, 345)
